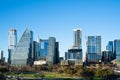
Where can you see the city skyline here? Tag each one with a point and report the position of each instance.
(58, 18)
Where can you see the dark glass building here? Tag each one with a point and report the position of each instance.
(109, 47)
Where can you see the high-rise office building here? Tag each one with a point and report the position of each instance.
(109, 47)
(117, 49)
(53, 52)
(57, 59)
(74, 54)
(93, 48)
(77, 38)
(12, 42)
(43, 49)
(23, 53)
(36, 49)
(1, 55)
(106, 56)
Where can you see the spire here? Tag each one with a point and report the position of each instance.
(38, 39)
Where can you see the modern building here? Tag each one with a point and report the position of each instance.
(106, 56)
(23, 52)
(74, 54)
(40, 62)
(1, 55)
(43, 49)
(93, 48)
(77, 38)
(53, 51)
(12, 42)
(117, 49)
(35, 50)
(109, 47)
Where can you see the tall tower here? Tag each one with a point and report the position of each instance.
(109, 47)
(23, 53)
(1, 55)
(94, 48)
(77, 38)
(12, 42)
(53, 51)
(117, 49)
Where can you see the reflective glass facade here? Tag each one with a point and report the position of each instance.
(22, 54)
(12, 42)
(109, 47)
(94, 47)
(43, 48)
(51, 50)
(117, 49)
(1, 55)
(74, 54)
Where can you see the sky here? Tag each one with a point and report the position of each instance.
(58, 18)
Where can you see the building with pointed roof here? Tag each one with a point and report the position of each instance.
(23, 53)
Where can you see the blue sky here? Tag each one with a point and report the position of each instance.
(58, 18)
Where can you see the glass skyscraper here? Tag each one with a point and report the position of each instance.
(12, 42)
(53, 51)
(117, 49)
(74, 54)
(23, 53)
(1, 55)
(93, 48)
(43, 48)
(77, 38)
(109, 47)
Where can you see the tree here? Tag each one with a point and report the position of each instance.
(2, 76)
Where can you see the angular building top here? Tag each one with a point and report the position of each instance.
(22, 54)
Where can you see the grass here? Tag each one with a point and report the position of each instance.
(51, 75)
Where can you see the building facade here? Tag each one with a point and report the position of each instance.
(106, 56)
(77, 38)
(93, 48)
(109, 47)
(74, 54)
(23, 53)
(117, 49)
(1, 55)
(43, 49)
(53, 51)
(12, 42)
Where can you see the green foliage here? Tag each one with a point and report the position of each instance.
(2, 76)
(104, 72)
(40, 74)
(3, 69)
